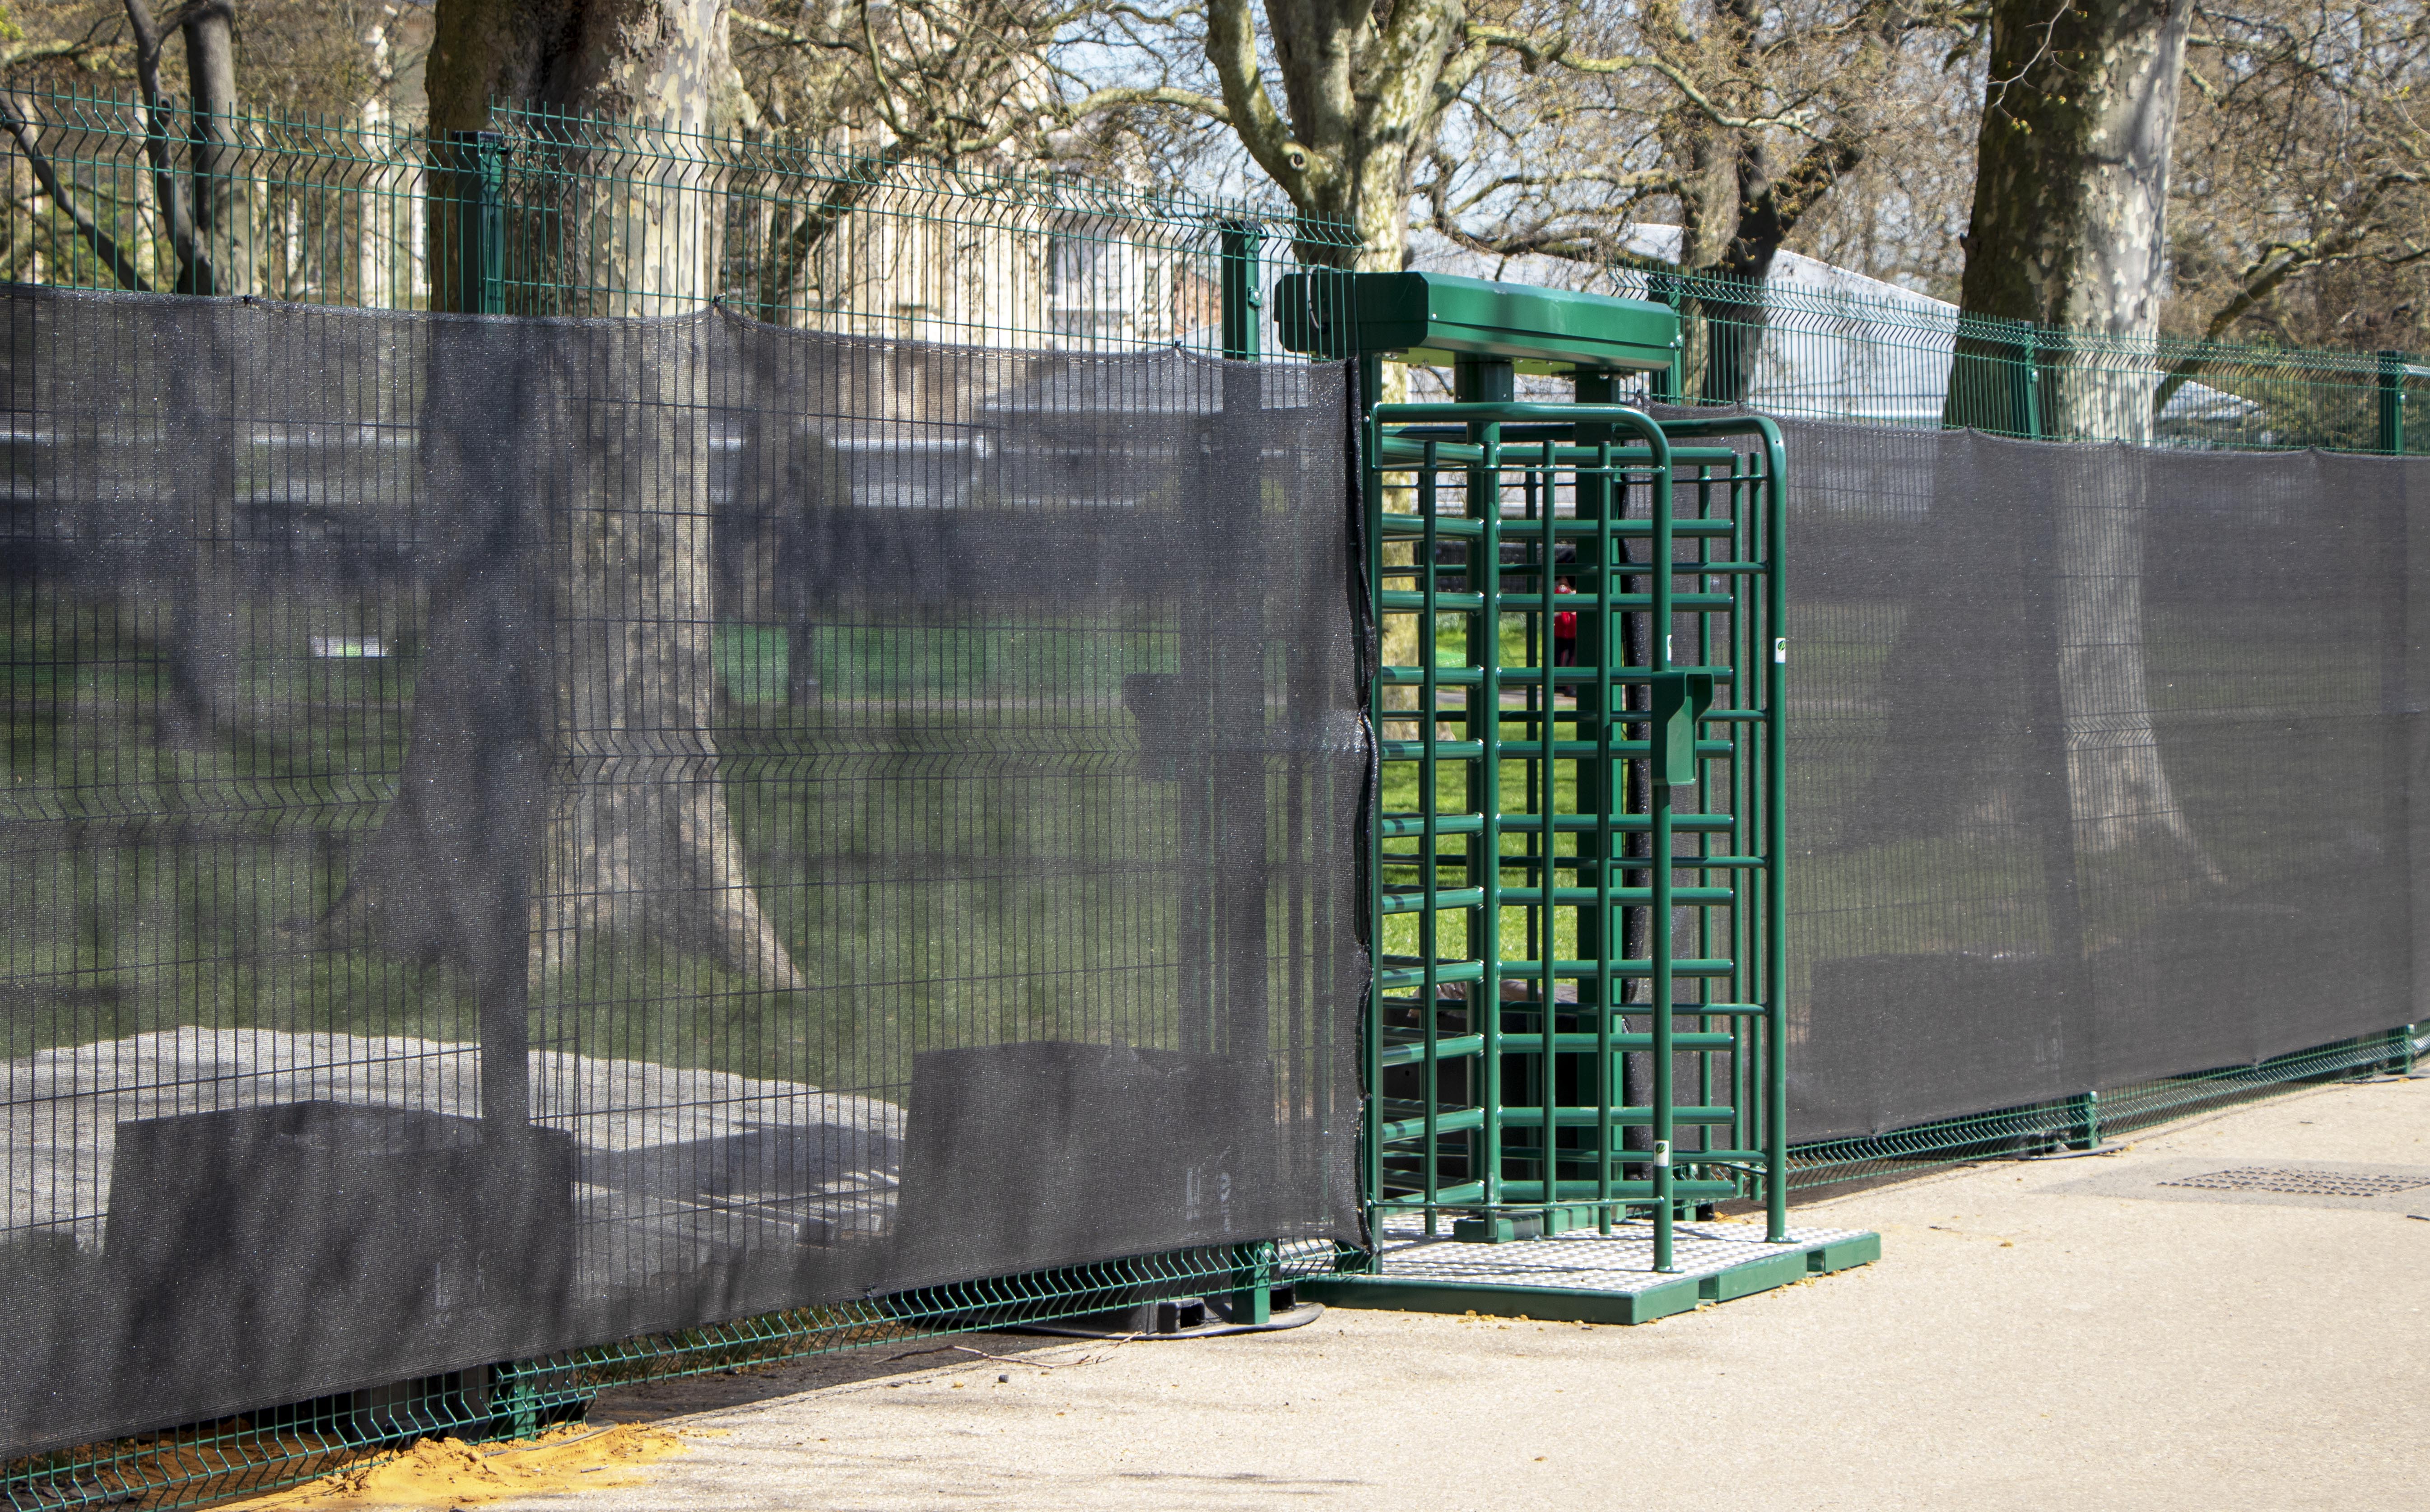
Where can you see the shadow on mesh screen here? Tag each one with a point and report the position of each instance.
(1029, 1156)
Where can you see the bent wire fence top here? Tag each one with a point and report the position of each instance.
(372, 214)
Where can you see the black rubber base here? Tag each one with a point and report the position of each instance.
(1177, 1318)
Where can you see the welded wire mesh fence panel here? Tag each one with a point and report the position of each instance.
(2101, 766)
(523, 834)
(1865, 353)
(591, 217)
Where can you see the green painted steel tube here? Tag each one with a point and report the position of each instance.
(1570, 1193)
(2028, 377)
(1774, 971)
(1544, 779)
(1509, 411)
(1775, 837)
(1484, 798)
(1598, 501)
(480, 194)
(2391, 403)
(1661, 938)
(1371, 1030)
(1430, 862)
(1240, 245)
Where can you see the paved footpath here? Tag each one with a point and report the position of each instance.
(2019, 1346)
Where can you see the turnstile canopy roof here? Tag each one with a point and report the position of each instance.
(1434, 318)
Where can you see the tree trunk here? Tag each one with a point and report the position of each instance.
(204, 643)
(643, 841)
(210, 87)
(2068, 231)
(195, 271)
(1707, 219)
(1364, 85)
(1769, 203)
(647, 844)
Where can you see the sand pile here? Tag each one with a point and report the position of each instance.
(449, 1472)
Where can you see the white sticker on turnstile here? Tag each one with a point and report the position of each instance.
(1662, 1154)
(1668, 655)
(1780, 649)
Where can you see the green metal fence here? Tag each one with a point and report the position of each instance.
(538, 216)
(2086, 1122)
(557, 215)
(526, 219)
(1880, 357)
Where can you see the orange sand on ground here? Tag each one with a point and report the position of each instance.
(449, 1472)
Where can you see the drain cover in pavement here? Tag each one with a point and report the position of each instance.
(2266, 1181)
(2299, 1183)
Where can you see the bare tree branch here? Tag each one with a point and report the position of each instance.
(1232, 47)
(1536, 54)
(103, 245)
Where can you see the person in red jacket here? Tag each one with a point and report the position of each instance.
(1564, 630)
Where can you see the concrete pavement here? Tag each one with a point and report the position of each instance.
(2019, 1346)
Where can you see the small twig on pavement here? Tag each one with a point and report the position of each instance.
(1011, 1359)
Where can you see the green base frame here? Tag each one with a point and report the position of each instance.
(1566, 1305)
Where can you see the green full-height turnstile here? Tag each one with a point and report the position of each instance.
(1576, 1011)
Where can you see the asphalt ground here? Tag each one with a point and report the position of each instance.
(2038, 1335)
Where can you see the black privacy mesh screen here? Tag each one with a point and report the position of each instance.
(2099, 765)
(519, 834)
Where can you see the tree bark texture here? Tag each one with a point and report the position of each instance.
(638, 837)
(2070, 232)
(2071, 194)
(210, 87)
(648, 844)
(1364, 84)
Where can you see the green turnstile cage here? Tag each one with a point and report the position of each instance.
(1577, 1008)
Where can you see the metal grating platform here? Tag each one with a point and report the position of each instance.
(1586, 1276)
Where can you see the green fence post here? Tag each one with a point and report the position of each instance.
(2089, 1118)
(2391, 403)
(477, 166)
(514, 1400)
(1242, 243)
(2026, 404)
(1663, 383)
(1253, 1294)
(481, 195)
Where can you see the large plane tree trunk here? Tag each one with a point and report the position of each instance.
(2069, 231)
(638, 834)
(1363, 91)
